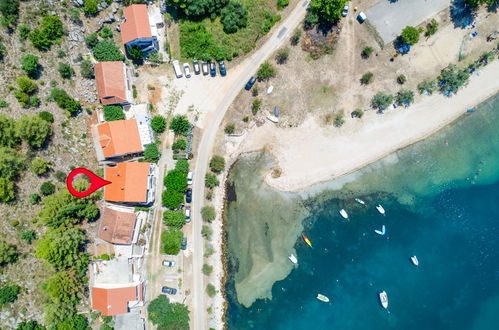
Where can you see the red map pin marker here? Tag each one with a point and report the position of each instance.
(96, 182)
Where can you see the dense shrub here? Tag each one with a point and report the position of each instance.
(106, 50)
(29, 63)
(65, 70)
(366, 52)
(266, 71)
(381, 101)
(91, 40)
(211, 180)
(7, 192)
(47, 188)
(8, 294)
(431, 28)
(172, 199)
(281, 4)
(207, 269)
(174, 219)
(47, 116)
(63, 288)
(28, 236)
(113, 112)
(39, 166)
(176, 180)
(230, 128)
(158, 124)
(282, 55)
(50, 32)
(182, 165)
(90, 7)
(401, 79)
(410, 35)
(295, 38)
(217, 163)
(65, 102)
(10, 11)
(151, 153)
(171, 241)
(179, 144)
(339, 120)
(357, 113)
(208, 213)
(87, 69)
(34, 130)
(234, 16)
(8, 253)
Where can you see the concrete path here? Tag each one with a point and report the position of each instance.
(390, 18)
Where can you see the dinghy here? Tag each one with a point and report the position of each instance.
(293, 259)
(322, 297)
(360, 201)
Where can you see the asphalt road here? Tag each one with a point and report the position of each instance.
(240, 76)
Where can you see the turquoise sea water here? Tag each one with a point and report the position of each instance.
(441, 198)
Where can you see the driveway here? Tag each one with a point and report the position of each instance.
(390, 18)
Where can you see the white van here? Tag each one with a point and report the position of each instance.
(189, 178)
(176, 68)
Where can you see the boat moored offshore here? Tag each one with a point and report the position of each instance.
(415, 260)
(380, 209)
(360, 201)
(322, 297)
(383, 299)
(305, 238)
(344, 213)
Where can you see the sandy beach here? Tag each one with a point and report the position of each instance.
(311, 153)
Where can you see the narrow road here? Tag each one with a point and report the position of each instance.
(243, 72)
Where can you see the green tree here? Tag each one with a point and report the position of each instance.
(136, 53)
(51, 31)
(113, 112)
(217, 163)
(29, 63)
(11, 163)
(10, 11)
(451, 79)
(176, 180)
(87, 69)
(328, 10)
(207, 269)
(9, 134)
(91, 40)
(182, 165)
(367, 78)
(167, 315)
(381, 101)
(151, 152)
(106, 33)
(26, 85)
(208, 213)
(210, 290)
(174, 219)
(90, 7)
(266, 71)
(30, 325)
(63, 287)
(34, 130)
(76, 322)
(410, 35)
(281, 4)
(179, 144)
(282, 55)
(8, 294)
(23, 31)
(8, 253)
(234, 16)
(211, 180)
(158, 124)
(171, 241)
(39, 166)
(47, 116)
(427, 86)
(65, 70)
(34, 199)
(63, 100)
(7, 192)
(172, 199)
(180, 125)
(47, 188)
(28, 236)
(106, 50)
(405, 97)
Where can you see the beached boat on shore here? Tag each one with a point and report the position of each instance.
(360, 201)
(383, 299)
(305, 238)
(380, 209)
(292, 258)
(322, 297)
(344, 213)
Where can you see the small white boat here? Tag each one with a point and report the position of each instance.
(380, 232)
(380, 209)
(344, 213)
(383, 299)
(322, 297)
(415, 260)
(293, 259)
(360, 201)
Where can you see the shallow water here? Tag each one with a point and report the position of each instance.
(441, 197)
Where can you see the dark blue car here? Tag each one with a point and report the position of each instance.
(250, 83)
(213, 69)
(223, 71)
(168, 290)
(188, 195)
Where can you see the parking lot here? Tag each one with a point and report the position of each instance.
(390, 18)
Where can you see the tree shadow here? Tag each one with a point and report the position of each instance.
(461, 14)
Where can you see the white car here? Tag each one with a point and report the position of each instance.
(188, 214)
(344, 13)
(187, 70)
(168, 263)
(189, 178)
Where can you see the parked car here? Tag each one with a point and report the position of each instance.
(250, 83)
(205, 68)
(188, 195)
(168, 263)
(183, 245)
(189, 178)
(344, 13)
(176, 68)
(188, 214)
(187, 70)
(196, 67)
(213, 69)
(168, 290)
(162, 7)
(221, 66)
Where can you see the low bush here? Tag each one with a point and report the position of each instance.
(47, 188)
(230, 128)
(211, 180)
(8, 294)
(179, 144)
(207, 269)
(401, 79)
(366, 52)
(39, 166)
(266, 71)
(217, 163)
(367, 78)
(113, 112)
(208, 213)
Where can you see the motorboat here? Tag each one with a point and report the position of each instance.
(305, 238)
(292, 258)
(360, 201)
(380, 232)
(322, 297)
(344, 214)
(380, 209)
(415, 260)
(383, 299)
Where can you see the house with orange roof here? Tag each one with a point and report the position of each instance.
(119, 226)
(114, 83)
(132, 183)
(138, 30)
(122, 138)
(116, 299)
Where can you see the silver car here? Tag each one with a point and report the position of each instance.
(187, 70)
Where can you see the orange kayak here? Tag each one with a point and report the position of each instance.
(305, 238)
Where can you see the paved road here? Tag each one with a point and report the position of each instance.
(239, 77)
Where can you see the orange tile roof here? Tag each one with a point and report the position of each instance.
(117, 227)
(119, 137)
(110, 81)
(136, 24)
(129, 182)
(114, 301)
